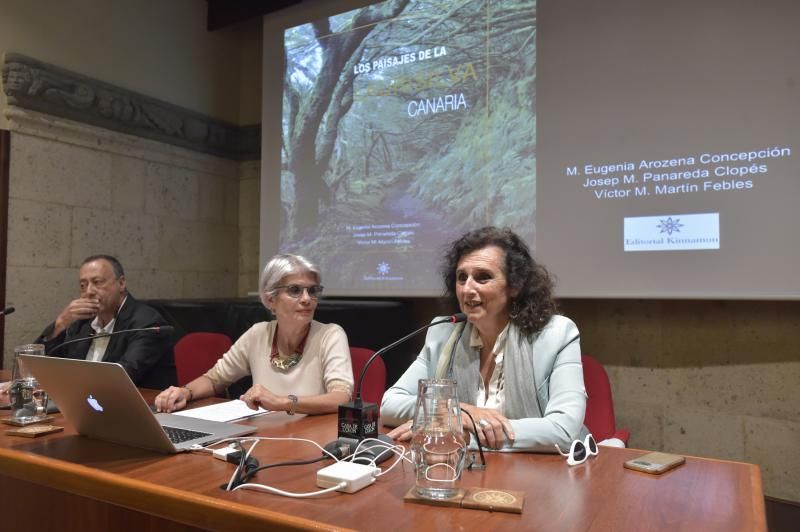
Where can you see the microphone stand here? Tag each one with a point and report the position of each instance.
(359, 420)
(455, 318)
(155, 328)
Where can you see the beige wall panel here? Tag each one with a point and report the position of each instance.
(248, 219)
(249, 203)
(209, 284)
(127, 183)
(231, 207)
(39, 234)
(703, 432)
(711, 378)
(619, 330)
(155, 284)
(248, 249)
(773, 444)
(198, 247)
(248, 283)
(213, 198)
(250, 170)
(39, 294)
(645, 421)
(172, 192)
(62, 173)
(641, 385)
(130, 237)
(763, 390)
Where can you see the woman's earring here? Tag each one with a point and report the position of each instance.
(514, 310)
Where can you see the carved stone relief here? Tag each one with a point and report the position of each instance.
(37, 86)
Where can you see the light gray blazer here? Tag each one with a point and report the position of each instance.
(545, 399)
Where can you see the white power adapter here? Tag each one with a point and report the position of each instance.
(227, 454)
(355, 476)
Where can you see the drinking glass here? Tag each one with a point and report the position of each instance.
(27, 399)
(438, 447)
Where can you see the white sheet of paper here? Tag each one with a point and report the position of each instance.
(228, 411)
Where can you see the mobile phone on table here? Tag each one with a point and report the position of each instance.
(655, 463)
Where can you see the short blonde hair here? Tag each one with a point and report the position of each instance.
(281, 266)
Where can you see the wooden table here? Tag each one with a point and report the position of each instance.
(67, 482)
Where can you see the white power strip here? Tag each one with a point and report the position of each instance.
(355, 476)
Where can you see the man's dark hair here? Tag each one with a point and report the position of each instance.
(534, 304)
(115, 264)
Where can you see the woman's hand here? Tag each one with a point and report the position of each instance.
(401, 432)
(492, 433)
(260, 396)
(494, 429)
(171, 399)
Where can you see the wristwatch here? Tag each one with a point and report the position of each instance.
(293, 399)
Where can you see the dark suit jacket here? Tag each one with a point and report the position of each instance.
(146, 356)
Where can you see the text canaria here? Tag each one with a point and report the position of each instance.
(440, 104)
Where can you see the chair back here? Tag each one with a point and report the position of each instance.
(197, 352)
(600, 406)
(375, 380)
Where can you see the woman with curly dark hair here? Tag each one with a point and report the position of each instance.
(516, 362)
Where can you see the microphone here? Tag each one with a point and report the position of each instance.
(8, 310)
(359, 420)
(156, 329)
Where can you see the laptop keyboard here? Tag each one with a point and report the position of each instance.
(177, 435)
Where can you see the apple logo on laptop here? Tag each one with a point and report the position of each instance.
(94, 403)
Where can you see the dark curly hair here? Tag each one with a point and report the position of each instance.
(533, 305)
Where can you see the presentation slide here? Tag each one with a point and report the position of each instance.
(667, 156)
(642, 148)
(405, 124)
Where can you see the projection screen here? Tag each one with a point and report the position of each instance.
(642, 148)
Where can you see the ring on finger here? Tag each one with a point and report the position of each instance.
(483, 423)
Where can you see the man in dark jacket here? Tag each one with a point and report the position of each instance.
(106, 306)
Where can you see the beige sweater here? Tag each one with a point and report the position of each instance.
(325, 365)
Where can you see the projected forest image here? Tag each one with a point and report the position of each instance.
(406, 123)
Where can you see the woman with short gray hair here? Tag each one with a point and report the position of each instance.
(298, 365)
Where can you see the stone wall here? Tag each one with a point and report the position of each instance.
(249, 216)
(717, 379)
(169, 214)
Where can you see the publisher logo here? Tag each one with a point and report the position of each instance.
(383, 272)
(671, 232)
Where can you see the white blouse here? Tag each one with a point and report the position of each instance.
(496, 396)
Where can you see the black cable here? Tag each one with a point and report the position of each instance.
(245, 468)
(478, 441)
(251, 473)
(242, 464)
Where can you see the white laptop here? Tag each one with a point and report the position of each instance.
(101, 401)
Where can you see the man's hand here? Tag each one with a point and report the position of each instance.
(78, 309)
